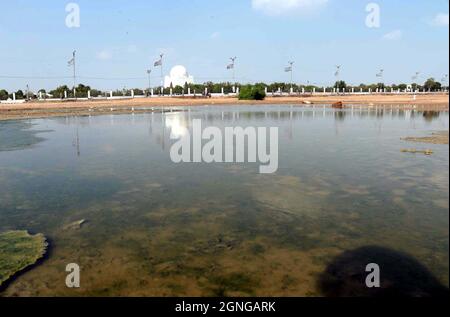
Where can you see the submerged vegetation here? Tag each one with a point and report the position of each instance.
(19, 250)
(436, 138)
(140, 225)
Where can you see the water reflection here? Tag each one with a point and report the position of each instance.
(173, 121)
(176, 123)
(431, 115)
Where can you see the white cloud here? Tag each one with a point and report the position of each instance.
(393, 36)
(441, 19)
(104, 55)
(287, 7)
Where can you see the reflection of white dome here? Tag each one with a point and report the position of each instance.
(178, 77)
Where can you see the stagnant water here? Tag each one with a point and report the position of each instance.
(155, 228)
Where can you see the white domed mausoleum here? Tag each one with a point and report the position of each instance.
(178, 77)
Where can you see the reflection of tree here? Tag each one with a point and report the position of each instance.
(429, 116)
(340, 115)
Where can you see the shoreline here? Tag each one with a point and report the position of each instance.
(43, 109)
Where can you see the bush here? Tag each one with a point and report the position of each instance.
(252, 93)
(3, 94)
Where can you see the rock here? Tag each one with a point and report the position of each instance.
(75, 225)
(338, 105)
(19, 250)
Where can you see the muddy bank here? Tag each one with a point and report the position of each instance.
(98, 107)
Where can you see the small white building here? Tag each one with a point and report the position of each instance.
(178, 77)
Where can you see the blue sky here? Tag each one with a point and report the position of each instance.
(118, 40)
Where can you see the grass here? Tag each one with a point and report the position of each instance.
(18, 250)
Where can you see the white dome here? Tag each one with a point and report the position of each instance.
(178, 71)
(178, 77)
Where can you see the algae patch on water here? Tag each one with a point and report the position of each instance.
(19, 250)
(440, 137)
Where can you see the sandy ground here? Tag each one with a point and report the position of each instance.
(64, 108)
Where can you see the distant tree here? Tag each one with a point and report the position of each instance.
(227, 88)
(3, 94)
(59, 91)
(137, 91)
(20, 94)
(416, 86)
(117, 93)
(340, 84)
(95, 93)
(82, 91)
(178, 90)
(432, 85)
(400, 86)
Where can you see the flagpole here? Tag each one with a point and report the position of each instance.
(74, 74)
(233, 74)
(233, 59)
(292, 74)
(149, 82)
(292, 71)
(162, 78)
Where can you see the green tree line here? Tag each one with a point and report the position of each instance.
(213, 88)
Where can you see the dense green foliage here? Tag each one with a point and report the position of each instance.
(431, 84)
(3, 94)
(249, 92)
(340, 85)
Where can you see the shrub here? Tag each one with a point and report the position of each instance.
(252, 93)
(3, 94)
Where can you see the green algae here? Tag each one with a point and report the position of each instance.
(19, 250)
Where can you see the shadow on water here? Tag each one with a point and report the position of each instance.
(400, 274)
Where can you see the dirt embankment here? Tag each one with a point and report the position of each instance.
(64, 108)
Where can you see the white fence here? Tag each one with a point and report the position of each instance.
(278, 93)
